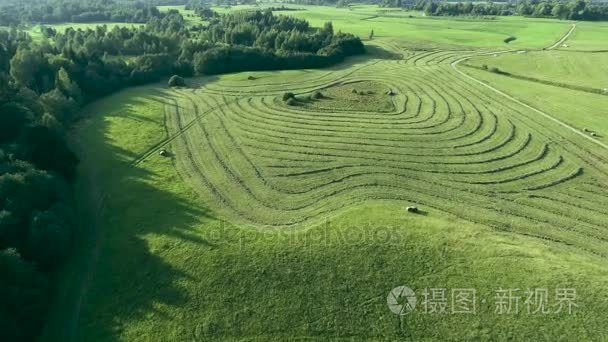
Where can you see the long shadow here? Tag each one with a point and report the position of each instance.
(129, 220)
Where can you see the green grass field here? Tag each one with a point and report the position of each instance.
(588, 37)
(414, 27)
(189, 16)
(573, 68)
(276, 222)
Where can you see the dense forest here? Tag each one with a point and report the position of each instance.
(36, 222)
(44, 83)
(59, 11)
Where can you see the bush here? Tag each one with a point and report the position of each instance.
(177, 81)
(484, 67)
(509, 39)
(288, 96)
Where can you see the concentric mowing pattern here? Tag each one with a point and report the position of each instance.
(449, 145)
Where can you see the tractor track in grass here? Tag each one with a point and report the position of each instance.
(176, 135)
(454, 66)
(523, 104)
(562, 39)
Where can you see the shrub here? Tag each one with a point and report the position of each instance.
(484, 67)
(177, 81)
(288, 96)
(509, 39)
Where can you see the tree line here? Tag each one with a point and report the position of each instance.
(36, 219)
(45, 83)
(571, 10)
(76, 11)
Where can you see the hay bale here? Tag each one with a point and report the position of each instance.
(355, 91)
(291, 101)
(593, 134)
(163, 153)
(251, 78)
(412, 209)
(288, 96)
(390, 92)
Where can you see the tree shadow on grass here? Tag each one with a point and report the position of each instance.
(130, 221)
(379, 52)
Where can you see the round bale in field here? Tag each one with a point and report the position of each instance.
(163, 152)
(288, 95)
(412, 209)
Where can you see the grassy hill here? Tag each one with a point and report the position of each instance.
(270, 220)
(170, 268)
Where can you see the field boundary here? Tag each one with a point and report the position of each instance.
(589, 90)
(561, 40)
(454, 66)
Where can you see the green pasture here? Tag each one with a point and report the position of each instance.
(269, 220)
(572, 68)
(414, 27)
(171, 269)
(588, 36)
(579, 109)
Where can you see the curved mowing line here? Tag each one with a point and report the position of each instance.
(444, 137)
(547, 116)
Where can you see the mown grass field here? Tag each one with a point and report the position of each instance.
(589, 37)
(273, 222)
(579, 109)
(414, 27)
(573, 68)
(180, 273)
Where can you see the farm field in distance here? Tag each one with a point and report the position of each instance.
(279, 219)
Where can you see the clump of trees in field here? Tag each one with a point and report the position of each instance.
(176, 81)
(44, 84)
